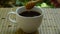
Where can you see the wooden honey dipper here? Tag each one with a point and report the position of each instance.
(31, 4)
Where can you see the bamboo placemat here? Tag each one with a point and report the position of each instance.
(50, 23)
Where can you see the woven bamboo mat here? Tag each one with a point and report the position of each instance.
(50, 23)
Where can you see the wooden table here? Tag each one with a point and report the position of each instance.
(50, 23)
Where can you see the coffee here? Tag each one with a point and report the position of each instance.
(30, 13)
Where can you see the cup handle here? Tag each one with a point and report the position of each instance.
(9, 14)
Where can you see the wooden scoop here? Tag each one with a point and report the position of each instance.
(31, 4)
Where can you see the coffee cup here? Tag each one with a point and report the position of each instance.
(27, 24)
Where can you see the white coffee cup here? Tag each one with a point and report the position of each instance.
(27, 24)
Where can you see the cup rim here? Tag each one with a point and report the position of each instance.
(29, 17)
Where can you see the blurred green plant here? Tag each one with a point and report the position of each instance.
(19, 4)
(43, 3)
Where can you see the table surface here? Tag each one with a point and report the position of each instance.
(50, 23)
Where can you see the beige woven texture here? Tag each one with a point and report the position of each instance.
(50, 23)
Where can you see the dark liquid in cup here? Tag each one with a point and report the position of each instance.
(29, 13)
